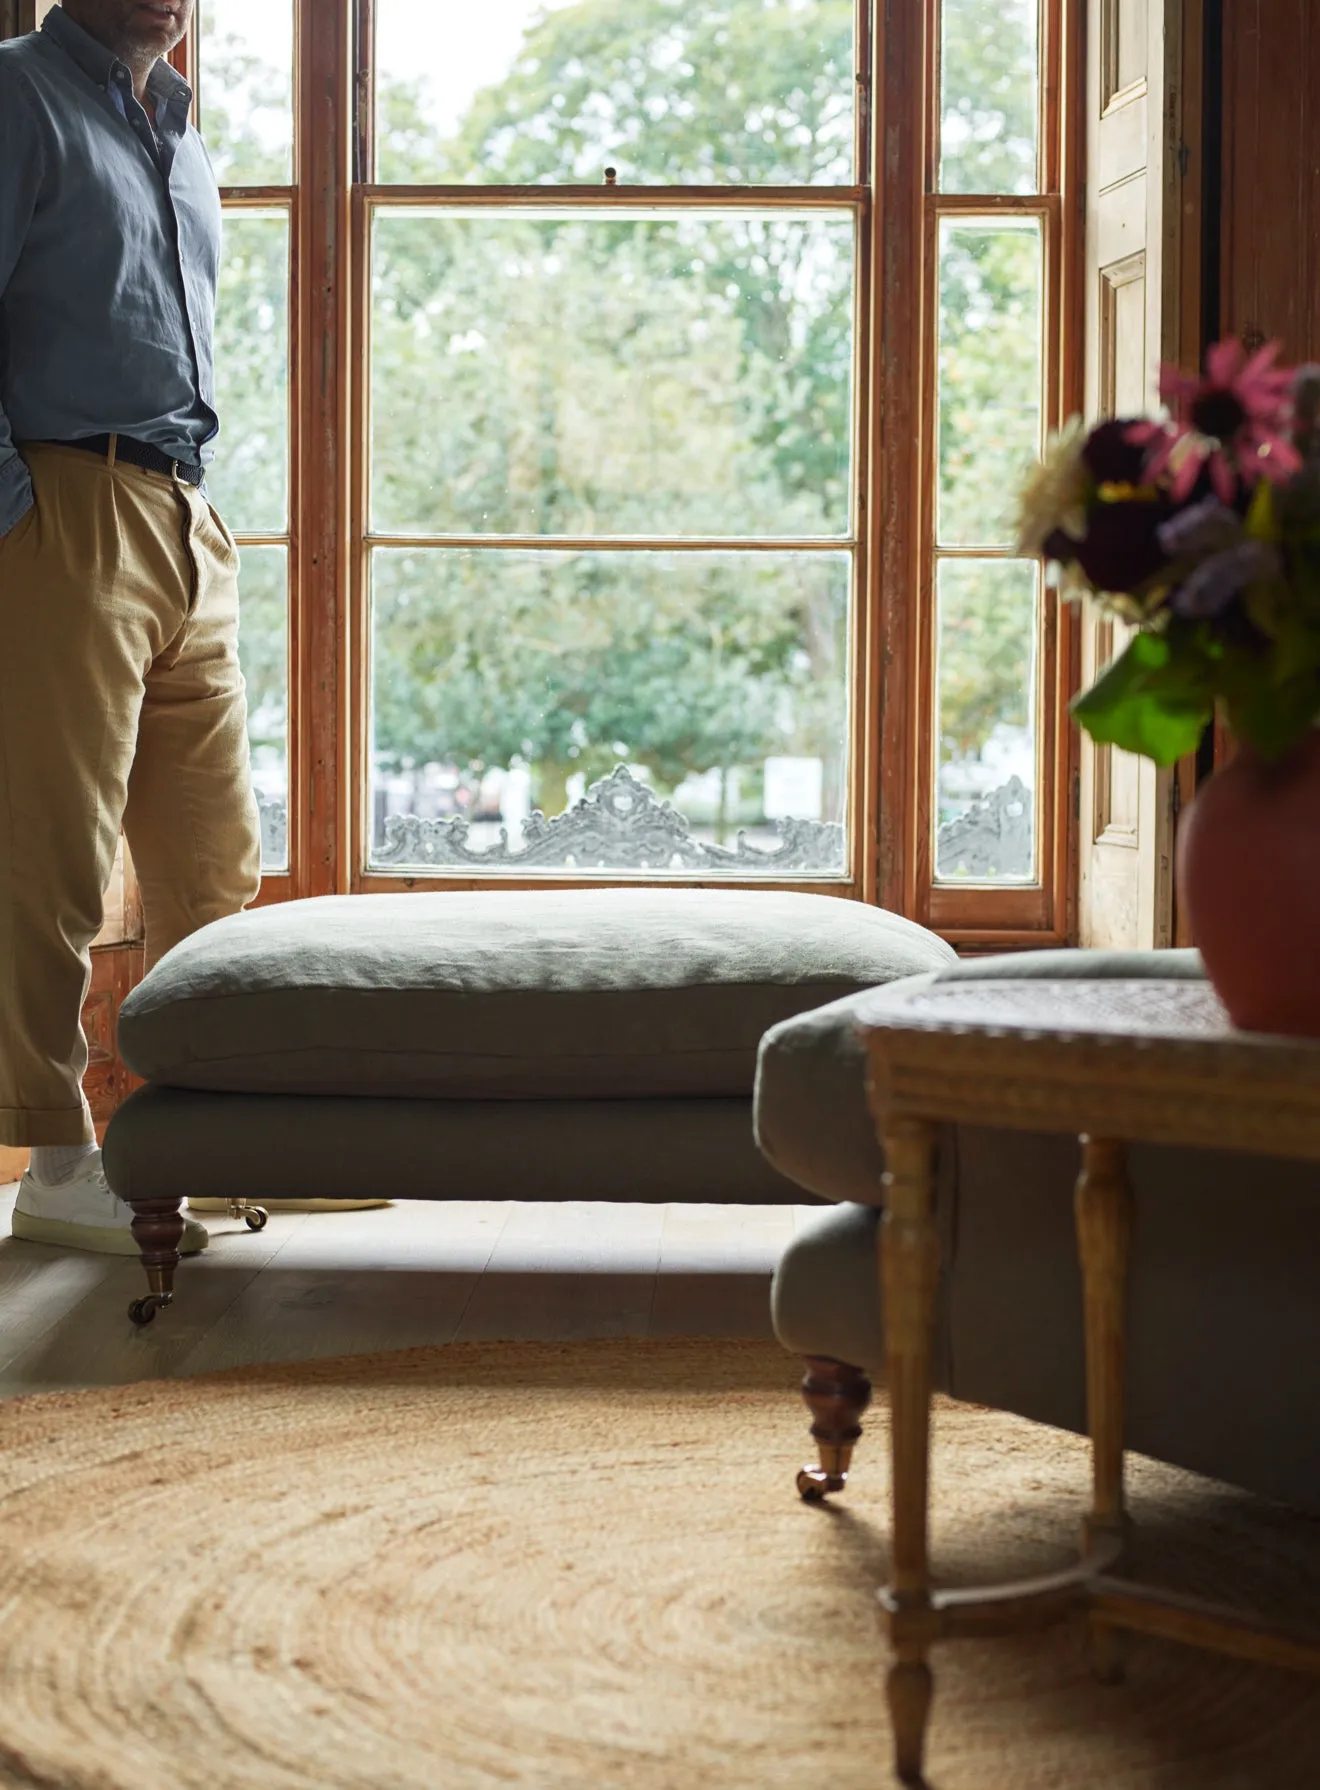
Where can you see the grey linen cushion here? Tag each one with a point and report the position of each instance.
(811, 1115)
(603, 993)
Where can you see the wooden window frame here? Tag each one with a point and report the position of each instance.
(892, 698)
(973, 917)
(860, 878)
(320, 368)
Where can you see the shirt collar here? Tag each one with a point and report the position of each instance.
(164, 83)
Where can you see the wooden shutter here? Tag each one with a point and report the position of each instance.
(1125, 816)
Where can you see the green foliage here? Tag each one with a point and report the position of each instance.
(989, 105)
(571, 661)
(1154, 699)
(757, 92)
(987, 635)
(991, 313)
(264, 650)
(669, 376)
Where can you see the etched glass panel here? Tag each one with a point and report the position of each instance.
(626, 711)
(990, 96)
(245, 90)
(635, 374)
(517, 92)
(248, 480)
(986, 730)
(990, 374)
(263, 648)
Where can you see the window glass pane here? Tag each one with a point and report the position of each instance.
(620, 375)
(990, 81)
(526, 91)
(506, 682)
(263, 648)
(249, 478)
(985, 823)
(245, 90)
(990, 374)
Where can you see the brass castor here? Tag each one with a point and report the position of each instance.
(254, 1217)
(837, 1396)
(814, 1483)
(143, 1311)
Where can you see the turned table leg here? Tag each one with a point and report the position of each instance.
(1104, 1232)
(837, 1396)
(909, 1267)
(157, 1231)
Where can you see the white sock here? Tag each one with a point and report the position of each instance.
(54, 1164)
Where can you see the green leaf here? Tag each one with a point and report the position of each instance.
(1262, 523)
(1155, 699)
(1274, 718)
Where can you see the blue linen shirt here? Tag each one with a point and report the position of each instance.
(109, 256)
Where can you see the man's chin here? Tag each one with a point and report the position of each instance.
(154, 36)
(144, 44)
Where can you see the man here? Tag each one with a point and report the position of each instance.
(121, 700)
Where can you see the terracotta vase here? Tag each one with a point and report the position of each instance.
(1249, 875)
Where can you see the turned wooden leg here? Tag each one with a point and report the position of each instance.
(157, 1231)
(1104, 1232)
(909, 1268)
(836, 1395)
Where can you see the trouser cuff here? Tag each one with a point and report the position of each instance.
(21, 1129)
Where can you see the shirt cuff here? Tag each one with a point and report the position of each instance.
(16, 497)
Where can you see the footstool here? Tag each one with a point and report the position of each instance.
(533, 1045)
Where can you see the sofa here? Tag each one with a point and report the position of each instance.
(1224, 1324)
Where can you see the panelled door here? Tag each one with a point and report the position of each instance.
(1125, 832)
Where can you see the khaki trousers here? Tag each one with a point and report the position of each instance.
(121, 708)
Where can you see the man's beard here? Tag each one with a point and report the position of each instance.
(138, 52)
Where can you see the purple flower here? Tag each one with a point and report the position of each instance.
(1122, 549)
(1111, 458)
(1210, 589)
(1205, 527)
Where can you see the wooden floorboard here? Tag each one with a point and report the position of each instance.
(313, 1285)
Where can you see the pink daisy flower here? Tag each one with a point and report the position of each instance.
(1235, 423)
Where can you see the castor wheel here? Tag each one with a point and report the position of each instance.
(814, 1482)
(255, 1218)
(143, 1311)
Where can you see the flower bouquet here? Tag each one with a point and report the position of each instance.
(1202, 532)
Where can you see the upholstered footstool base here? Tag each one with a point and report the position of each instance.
(182, 1142)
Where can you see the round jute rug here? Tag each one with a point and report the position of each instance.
(575, 1566)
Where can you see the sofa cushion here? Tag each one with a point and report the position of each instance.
(811, 1114)
(601, 993)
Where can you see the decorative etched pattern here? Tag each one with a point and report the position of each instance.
(1139, 1007)
(993, 840)
(619, 824)
(274, 831)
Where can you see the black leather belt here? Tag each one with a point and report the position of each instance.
(138, 453)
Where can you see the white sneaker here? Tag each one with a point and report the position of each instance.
(82, 1213)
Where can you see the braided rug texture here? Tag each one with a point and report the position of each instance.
(579, 1565)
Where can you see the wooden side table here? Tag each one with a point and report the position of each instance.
(1115, 1062)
